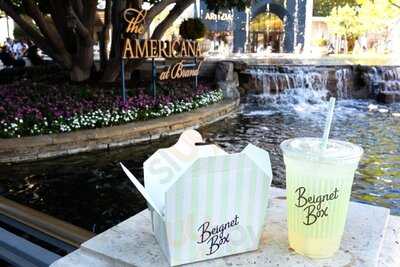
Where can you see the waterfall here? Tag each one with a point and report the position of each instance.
(298, 87)
(343, 77)
(274, 80)
(384, 80)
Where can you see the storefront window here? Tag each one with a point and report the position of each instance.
(266, 31)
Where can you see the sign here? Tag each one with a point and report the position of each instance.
(220, 16)
(204, 202)
(135, 48)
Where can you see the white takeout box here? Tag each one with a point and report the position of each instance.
(204, 202)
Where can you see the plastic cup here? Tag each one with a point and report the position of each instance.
(318, 187)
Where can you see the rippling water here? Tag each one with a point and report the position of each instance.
(267, 122)
(91, 191)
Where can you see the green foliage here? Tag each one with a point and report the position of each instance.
(324, 7)
(369, 17)
(321, 42)
(377, 17)
(344, 21)
(192, 29)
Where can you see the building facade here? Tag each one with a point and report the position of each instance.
(278, 25)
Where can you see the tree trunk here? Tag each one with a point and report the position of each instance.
(82, 64)
(83, 58)
(105, 35)
(112, 69)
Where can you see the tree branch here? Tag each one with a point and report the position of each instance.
(172, 16)
(38, 38)
(107, 13)
(89, 14)
(58, 14)
(83, 32)
(78, 7)
(394, 4)
(135, 4)
(105, 34)
(158, 8)
(117, 8)
(50, 33)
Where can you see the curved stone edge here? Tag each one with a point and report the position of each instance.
(55, 145)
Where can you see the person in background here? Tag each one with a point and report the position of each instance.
(8, 59)
(19, 48)
(331, 49)
(9, 44)
(33, 55)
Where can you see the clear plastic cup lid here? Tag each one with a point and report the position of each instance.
(310, 149)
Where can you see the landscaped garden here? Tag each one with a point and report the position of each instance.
(30, 109)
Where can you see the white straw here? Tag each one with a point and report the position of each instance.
(328, 123)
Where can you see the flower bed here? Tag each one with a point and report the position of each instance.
(42, 109)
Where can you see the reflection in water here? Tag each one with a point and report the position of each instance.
(267, 121)
(90, 190)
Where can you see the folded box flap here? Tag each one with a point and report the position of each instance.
(142, 190)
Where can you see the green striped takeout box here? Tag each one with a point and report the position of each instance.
(204, 202)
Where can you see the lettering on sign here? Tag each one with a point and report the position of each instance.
(219, 16)
(313, 205)
(134, 48)
(216, 236)
(178, 71)
(135, 19)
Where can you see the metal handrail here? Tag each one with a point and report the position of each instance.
(58, 229)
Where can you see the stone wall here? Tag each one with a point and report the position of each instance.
(47, 146)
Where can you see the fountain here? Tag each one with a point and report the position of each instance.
(269, 80)
(343, 77)
(383, 82)
(278, 79)
(342, 81)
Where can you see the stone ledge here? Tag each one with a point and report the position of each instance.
(54, 145)
(371, 239)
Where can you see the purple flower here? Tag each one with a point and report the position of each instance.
(33, 102)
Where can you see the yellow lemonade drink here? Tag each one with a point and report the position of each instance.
(318, 185)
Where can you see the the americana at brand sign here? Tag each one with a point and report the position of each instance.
(135, 48)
